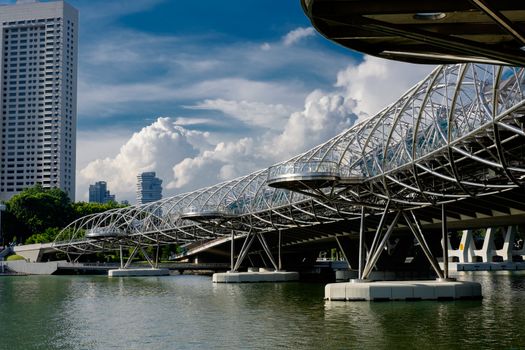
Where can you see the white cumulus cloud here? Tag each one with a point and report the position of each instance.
(376, 82)
(296, 35)
(324, 115)
(154, 148)
(271, 116)
(187, 159)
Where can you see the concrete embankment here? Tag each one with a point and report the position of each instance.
(28, 268)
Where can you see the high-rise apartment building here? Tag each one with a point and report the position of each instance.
(38, 101)
(149, 188)
(98, 193)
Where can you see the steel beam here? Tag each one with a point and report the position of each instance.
(444, 231)
(372, 262)
(361, 244)
(422, 243)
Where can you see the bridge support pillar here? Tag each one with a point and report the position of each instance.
(487, 251)
(280, 263)
(376, 253)
(343, 252)
(232, 251)
(126, 271)
(506, 251)
(445, 243)
(243, 253)
(418, 233)
(121, 257)
(361, 244)
(465, 251)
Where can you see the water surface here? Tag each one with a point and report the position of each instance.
(190, 312)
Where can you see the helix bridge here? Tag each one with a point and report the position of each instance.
(453, 146)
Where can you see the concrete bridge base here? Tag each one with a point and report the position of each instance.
(402, 290)
(138, 272)
(253, 277)
(30, 268)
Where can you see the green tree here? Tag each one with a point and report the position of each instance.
(80, 209)
(48, 235)
(35, 209)
(37, 214)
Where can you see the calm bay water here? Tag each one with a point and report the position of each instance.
(189, 312)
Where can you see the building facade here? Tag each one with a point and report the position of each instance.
(149, 188)
(38, 102)
(99, 193)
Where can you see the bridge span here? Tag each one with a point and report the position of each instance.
(448, 155)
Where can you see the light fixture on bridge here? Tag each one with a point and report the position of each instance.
(430, 16)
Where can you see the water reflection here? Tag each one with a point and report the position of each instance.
(496, 321)
(188, 312)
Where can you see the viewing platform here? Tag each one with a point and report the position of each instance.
(104, 233)
(303, 175)
(204, 213)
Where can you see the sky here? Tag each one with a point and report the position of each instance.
(205, 91)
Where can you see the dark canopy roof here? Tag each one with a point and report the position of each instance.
(425, 31)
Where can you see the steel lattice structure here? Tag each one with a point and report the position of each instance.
(458, 133)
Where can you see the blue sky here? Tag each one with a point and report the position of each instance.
(177, 44)
(203, 91)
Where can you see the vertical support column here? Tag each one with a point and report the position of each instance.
(232, 252)
(157, 253)
(121, 258)
(361, 243)
(280, 266)
(444, 231)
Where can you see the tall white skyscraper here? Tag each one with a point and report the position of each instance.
(149, 188)
(38, 102)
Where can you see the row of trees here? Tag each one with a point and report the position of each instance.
(37, 214)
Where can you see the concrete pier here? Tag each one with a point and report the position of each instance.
(255, 276)
(138, 272)
(402, 290)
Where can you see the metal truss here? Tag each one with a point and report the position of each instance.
(459, 133)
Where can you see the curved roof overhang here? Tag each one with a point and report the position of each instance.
(429, 31)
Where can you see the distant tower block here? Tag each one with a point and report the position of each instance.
(98, 193)
(149, 188)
